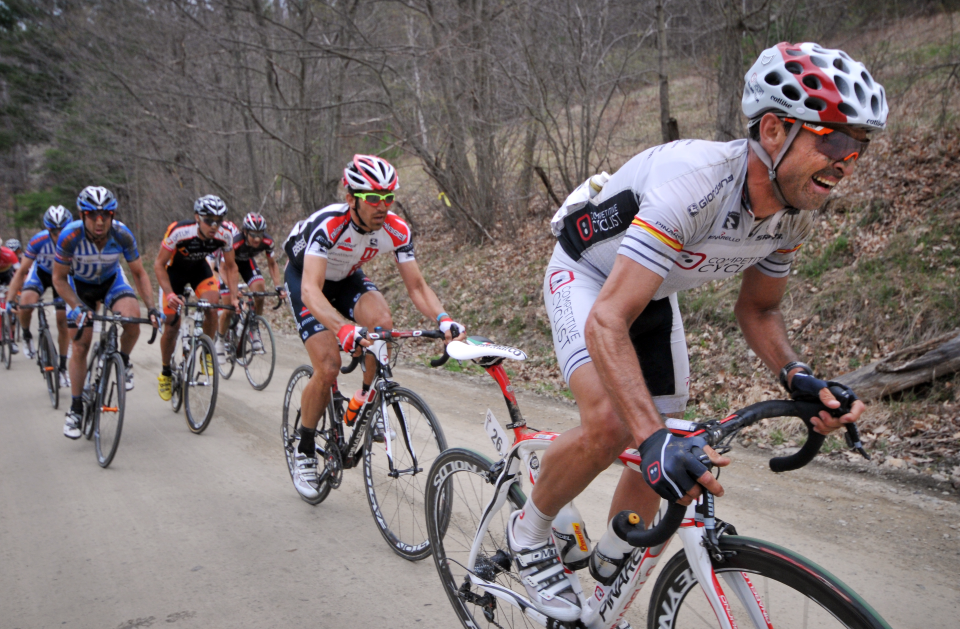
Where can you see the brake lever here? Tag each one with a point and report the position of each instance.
(852, 437)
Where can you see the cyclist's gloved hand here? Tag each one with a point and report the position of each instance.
(449, 325)
(11, 306)
(350, 337)
(73, 314)
(159, 316)
(282, 292)
(806, 388)
(671, 464)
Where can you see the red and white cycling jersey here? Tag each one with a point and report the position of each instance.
(329, 233)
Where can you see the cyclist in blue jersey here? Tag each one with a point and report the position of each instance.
(36, 275)
(91, 249)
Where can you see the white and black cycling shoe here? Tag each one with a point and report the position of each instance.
(71, 427)
(256, 343)
(305, 476)
(544, 577)
(28, 349)
(64, 379)
(128, 377)
(221, 350)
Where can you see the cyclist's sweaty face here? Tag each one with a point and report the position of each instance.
(97, 223)
(208, 230)
(371, 215)
(807, 176)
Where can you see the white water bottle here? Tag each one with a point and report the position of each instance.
(610, 554)
(571, 537)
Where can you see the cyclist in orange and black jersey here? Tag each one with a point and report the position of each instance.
(181, 261)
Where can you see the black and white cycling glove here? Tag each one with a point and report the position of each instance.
(806, 388)
(671, 464)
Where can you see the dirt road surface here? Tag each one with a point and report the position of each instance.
(207, 531)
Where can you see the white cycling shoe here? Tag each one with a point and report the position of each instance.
(544, 577)
(71, 428)
(305, 476)
(64, 379)
(221, 351)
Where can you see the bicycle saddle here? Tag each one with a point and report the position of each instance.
(479, 347)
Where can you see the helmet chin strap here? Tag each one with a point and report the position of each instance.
(355, 215)
(772, 164)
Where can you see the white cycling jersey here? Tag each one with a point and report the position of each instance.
(680, 210)
(330, 233)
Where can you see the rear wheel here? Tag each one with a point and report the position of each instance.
(460, 487)
(49, 363)
(5, 339)
(258, 364)
(793, 593)
(230, 356)
(108, 412)
(396, 496)
(290, 433)
(199, 387)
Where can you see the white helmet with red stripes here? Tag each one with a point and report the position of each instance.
(814, 84)
(369, 173)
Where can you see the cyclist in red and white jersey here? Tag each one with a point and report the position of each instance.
(674, 217)
(329, 291)
(9, 263)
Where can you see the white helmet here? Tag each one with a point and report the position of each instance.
(369, 173)
(94, 198)
(254, 222)
(210, 205)
(814, 84)
(56, 217)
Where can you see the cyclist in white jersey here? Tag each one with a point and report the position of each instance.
(329, 291)
(672, 218)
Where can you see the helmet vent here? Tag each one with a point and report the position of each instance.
(875, 105)
(815, 104)
(847, 110)
(866, 79)
(812, 82)
(820, 62)
(791, 92)
(796, 52)
(840, 65)
(861, 95)
(793, 67)
(773, 78)
(842, 86)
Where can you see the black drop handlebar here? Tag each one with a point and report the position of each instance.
(264, 294)
(389, 335)
(715, 432)
(92, 316)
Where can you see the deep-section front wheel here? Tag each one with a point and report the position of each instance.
(108, 412)
(201, 379)
(260, 355)
(460, 487)
(396, 491)
(762, 583)
(290, 428)
(50, 364)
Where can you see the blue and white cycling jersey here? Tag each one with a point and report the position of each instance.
(90, 264)
(42, 249)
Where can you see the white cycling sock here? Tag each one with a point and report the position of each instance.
(531, 527)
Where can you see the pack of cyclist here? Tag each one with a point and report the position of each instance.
(672, 218)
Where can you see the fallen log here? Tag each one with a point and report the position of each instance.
(906, 368)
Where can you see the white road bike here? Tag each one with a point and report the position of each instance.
(744, 582)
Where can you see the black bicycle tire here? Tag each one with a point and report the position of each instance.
(245, 323)
(745, 554)
(290, 437)
(88, 421)
(449, 463)
(113, 365)
(176, 379)
(263, 324)
(52, 377)
(413, 550)
(6, 340)
(204, 342)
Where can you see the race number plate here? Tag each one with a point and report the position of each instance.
(496, 433)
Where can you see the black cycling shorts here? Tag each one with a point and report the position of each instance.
(38, 281)
(342, 295)
(249, 271)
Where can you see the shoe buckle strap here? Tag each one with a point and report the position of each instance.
(527, 558)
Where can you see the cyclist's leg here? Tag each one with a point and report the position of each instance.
(171, 327)
(254, 280)
(226, 316)
(63, 338)
(90, 295)
(30, 294)
(122, 299)
(357, 298)
(207, 287)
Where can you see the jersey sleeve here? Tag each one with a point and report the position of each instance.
(320, 242)
(401, 237)
(169, 241)
(267, 245)
(228, 238)
(126, 241)
(657, 233)
(35, 245)
(68, 241)
(779, 263)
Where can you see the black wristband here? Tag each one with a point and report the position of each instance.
(790, 366)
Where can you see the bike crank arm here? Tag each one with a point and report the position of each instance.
(410, 471)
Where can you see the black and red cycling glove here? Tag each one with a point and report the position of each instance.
(671, 464)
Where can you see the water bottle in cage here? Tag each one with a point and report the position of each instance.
(571, 537)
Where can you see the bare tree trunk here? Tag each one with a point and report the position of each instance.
(525, 186)
(664, 82)
(730, 72)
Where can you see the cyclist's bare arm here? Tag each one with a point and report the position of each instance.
(60, 274)
(231, 275)
(163, 278)
(311, 293)
(142, 281)
(274, 270)
(758, 313)
(420, 292)
(625, 294)
(17, 282)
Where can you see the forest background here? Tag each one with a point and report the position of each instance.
(494, 110)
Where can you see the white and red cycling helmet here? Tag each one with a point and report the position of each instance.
(254, 222)
(369, 173)
(814, 84)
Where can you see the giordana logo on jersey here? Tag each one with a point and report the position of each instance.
(694, 208)
(732, 221)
